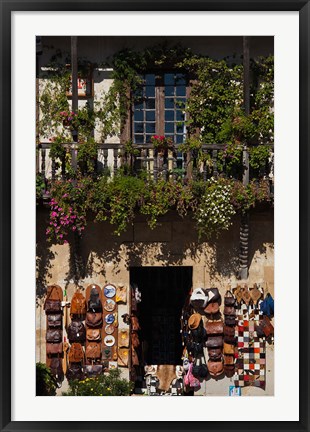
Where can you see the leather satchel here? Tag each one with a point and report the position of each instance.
(228, 348)
(54, 348)
(212, 308)
(229, 310)
(54, 320)
(213, 294)
(93, 335)
(93, 350)
(264, 327)
(52, 306)
(229, 359)
(215, 354)
(54, 336)
(214, 341)
(214, 327)
(230, 339)
(215, 368)
(75, 372)
(76, 353)
(229, 331)
(93, 319)
(230, 320)
(56, 369)
(78, 304)
(229, 370)
(93, 371)
(229, 299)
(76, 332)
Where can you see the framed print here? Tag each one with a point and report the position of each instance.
(157, 153)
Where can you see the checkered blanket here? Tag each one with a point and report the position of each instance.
(251, 360)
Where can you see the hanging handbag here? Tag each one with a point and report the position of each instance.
(75, 372)
(215, 368)
(93, 350)
(92, 371)
(190, 381)
(229, 331)
(212, 308)
(76, 332)
(76, 353)
(215, 354)
(267, 306)
(230, 339)
(228, 348)
(214, 341)
(229, 310)
(229, 370)
(78, 304)
(214, 327)
(93, 319)
(264, 327)
(229, 299)
(54, 348)
(93, 335)
(56, 369)
(230, 320)
(54, 320)
(53, 336)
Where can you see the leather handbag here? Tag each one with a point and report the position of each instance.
(229, 299)
(76, 332)
(54, 320)
(229, 370)
(229, 331)
(229, 310)
(93, 335)
(93, 319)
(212, 308)
(264, 327)
(214, 341)
(213, 294)
(229, 359)
(246, 297)
(215, 354)
(93, 350)
(93, 371)
(78, 304)
(200, 369)
(215, 368)
(255, 294)
(76, 353)
(56, 369)
(214, 327)
(75, 372)
(230, 320)
(54, 348)
(53, 336)
(230, 339)
(228, 348)
(135, 342)
(52, 306)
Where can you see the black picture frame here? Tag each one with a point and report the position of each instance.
(6, 8)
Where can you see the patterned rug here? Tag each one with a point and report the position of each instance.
(251, 354)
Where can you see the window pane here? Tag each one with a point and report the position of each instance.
(169, 127)
(138, 115)
(139, 139)
(150, 79)
(180, 139)
(180, 103)
(169, 79)
(181, 91)
(150, 128)
(138, 127)
(171, 136)
(150, 91)
(180, 129)
(138, 93)
(138, 105)
(148, 138)
(150, 115)
(169, 115)
(180, 79)
(169, 103)
(169, 91)
(150, 104)
(179, 115)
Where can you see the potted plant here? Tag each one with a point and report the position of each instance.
(162, 144)
(67, 117)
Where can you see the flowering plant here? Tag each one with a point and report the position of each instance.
(215, 209)
(161, 143)
(67, 117)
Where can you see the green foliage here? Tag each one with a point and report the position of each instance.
(40, 186)
(109, 384)
(45, 382)
(259, 156)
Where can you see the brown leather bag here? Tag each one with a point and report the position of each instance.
(78, 304)
(215, 354)
(228, 348)
(214, 342)
(135, 342)
(215, 368)
(212, 308)
(52, 306)
(135, 323)
(93, 334)
(230, 320)
(93, 371)
(76, 331)
(54, 320)
(229, 299)
(53, 336)
(54, 348)
(76, 353)
(229, 370)
(229, 331)
(230, 339)
(214, 327)
(93, 350)
(229, 310)
(264, 327)
(93, 319)
(229, 359)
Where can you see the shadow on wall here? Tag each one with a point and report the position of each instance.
(99, 248)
